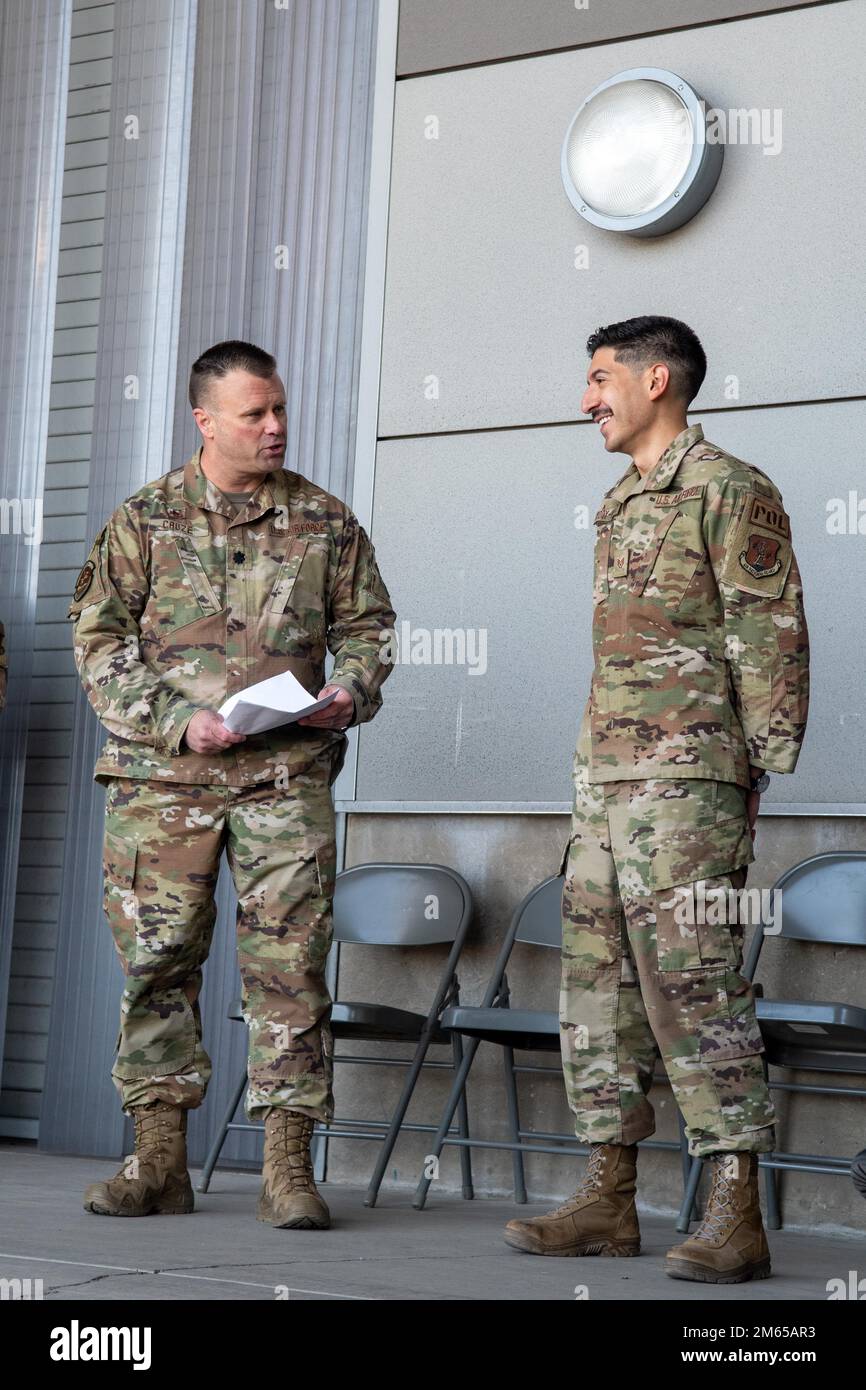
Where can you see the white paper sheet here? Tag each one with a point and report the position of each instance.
(278, 700)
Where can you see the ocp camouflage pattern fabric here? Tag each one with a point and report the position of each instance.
(643, 975)
(700, 639)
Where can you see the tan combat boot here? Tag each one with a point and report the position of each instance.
(730, 1245)
(289, 1197)
(600, 1219)
(154, 1178)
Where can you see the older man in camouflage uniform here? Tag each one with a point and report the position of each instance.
(700, 687)
(216, 576)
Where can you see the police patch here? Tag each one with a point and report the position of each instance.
(84, 580)
(765, 512)
(758, 547)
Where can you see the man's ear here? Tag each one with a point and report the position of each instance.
(660, 376)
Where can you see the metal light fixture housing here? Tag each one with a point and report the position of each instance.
(636, 157)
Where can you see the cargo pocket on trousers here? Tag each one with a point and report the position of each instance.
(696, 915)
(119, 860)
(321, 865)
(591, 936)
(731, 1029)
(157, 1036)
(731, 1052)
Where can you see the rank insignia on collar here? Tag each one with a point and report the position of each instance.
(84, 580)
(606, 513)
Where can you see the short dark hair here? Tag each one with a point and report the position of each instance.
(223, 358)
(653, 338)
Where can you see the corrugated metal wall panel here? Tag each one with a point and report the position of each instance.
(46, 784)
(278, 153)
(145, 189)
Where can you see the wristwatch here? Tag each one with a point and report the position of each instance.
(759, 784)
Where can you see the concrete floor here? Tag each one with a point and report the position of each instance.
(452, 1250)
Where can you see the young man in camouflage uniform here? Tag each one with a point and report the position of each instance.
(700, 688)
(220, 574)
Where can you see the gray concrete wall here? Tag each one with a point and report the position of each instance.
(502, 857)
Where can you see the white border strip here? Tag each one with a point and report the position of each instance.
(373, 314)
(560, 808)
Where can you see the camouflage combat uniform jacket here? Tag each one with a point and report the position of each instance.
(699, 634)
(182, 602)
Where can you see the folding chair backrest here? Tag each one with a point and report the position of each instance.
(824, 899)
(400, 905)
(540, 921)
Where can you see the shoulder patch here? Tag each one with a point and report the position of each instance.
(758, 554)
(84, 580)
(84, 585)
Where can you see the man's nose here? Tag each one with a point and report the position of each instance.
(589, 401)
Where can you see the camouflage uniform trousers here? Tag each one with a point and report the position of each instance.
(162, 849)
(642, 974)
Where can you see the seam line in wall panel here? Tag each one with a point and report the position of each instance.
(563, 424)
(618, 38)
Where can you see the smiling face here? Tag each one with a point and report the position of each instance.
(623, 400)
(243, 422)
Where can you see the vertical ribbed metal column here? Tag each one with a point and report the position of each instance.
(272, 248)
(275, 247)
(34, 56)
(132, 441)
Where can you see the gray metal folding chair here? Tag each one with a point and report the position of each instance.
(388, 905)
(537, 921)
(823, 900)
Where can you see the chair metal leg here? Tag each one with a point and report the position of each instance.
(686, 1163)
(397, 1118)
(220, 1137)
(771, 1195)
(463, 1124)
(687, 1210)
(447, 1116)
(514, 1124)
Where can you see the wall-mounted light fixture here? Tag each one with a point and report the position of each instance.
(637, 158)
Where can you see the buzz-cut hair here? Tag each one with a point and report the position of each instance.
(226, 357)
(653, 338)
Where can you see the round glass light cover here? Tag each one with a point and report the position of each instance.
(630, 147)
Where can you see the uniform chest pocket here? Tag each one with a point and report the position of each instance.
(301, 581)
(181, 591)
(287, 574)
(196, 576)
(663, 568)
